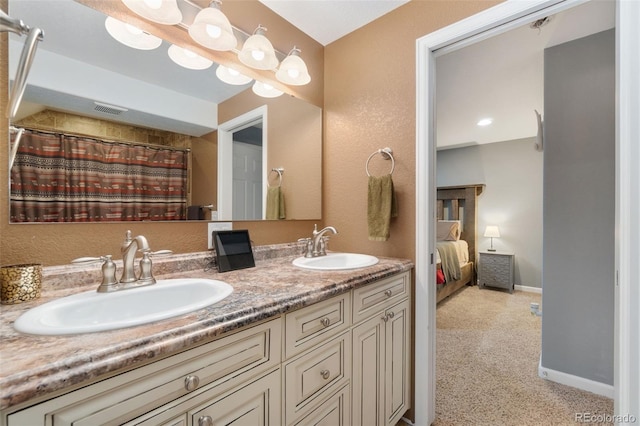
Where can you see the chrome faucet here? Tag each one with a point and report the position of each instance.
(317, 241)
(129, 248)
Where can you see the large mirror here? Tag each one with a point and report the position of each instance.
(84, 83)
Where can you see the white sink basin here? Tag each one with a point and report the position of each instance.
(336, 261)
(91, 311)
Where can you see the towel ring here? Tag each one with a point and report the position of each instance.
(279, 171)
(387, 154)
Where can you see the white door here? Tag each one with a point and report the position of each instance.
(247, 181)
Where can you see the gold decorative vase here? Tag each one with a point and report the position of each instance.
(20, 283)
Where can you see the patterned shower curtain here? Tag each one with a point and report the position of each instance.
(63, 178)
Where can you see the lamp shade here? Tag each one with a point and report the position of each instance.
(160, 11)
(293, 70)
(231, 76)
(212, 29)
(131, 36)
(265, 90)
(187, 59)
(492, 231)
(257, 52)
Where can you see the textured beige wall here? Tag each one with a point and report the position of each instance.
(370, 103)
(55, 244)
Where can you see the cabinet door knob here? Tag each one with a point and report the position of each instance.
(205, 421)
(391, 314)
(325, 322)
(385, 318)
(388, 293)
(325, 374)
(191, 382)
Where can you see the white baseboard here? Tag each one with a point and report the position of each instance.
(598, 388)
(528, 289)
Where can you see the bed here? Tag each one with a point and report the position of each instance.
(456, 243)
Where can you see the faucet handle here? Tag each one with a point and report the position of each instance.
(86, 260)
(307, 251)
(160, 253)
(109, 280)
(146, 274)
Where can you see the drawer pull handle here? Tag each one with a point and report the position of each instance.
(325, 374)
(325, 322)
(205, 421)
(191, 383)
(388, 293)
(391, 314)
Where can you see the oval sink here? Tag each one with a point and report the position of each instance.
(336, 261)
(91, 311)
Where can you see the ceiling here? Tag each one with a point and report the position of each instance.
(471, 83)
(502, 78)
(328, 20)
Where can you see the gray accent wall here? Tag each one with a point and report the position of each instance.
(579, 208)
(511, 199)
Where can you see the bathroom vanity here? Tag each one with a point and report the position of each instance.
(288, 347)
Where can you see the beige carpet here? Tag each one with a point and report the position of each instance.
(488, 350)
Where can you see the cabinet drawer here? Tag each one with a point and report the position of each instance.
(257, 403)
(222, 363)
(335, 411)
(375, 298)
(316, 373)
(316, 323)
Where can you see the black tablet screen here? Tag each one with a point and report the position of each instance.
(233, 250)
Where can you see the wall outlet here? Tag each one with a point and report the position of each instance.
(216, 226)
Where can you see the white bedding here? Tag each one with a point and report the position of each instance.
(462, 249)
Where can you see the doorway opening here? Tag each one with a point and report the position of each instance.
(498, 20)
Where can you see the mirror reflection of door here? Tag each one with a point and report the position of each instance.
(242, 157)
(247, 173)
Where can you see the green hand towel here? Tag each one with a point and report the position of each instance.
(275, 203)
(381, 207)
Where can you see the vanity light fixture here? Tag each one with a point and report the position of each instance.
(265, 90)
(293, 70)
(187, 59)
(257, 51)
(212, 29)
(485, 122)
(160, 11)
(231, 76)
(130, 35)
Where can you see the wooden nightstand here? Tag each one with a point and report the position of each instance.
(495, 269)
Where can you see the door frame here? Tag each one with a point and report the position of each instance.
(225, 158)
(493, 21)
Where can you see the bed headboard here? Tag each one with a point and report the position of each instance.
(460, 203)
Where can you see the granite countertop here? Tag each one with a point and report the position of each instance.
(35, 366)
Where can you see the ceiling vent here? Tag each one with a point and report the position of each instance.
(109, 109)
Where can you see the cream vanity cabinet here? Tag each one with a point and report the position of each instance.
(381, 384)
(341, 361)
(234, 377)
